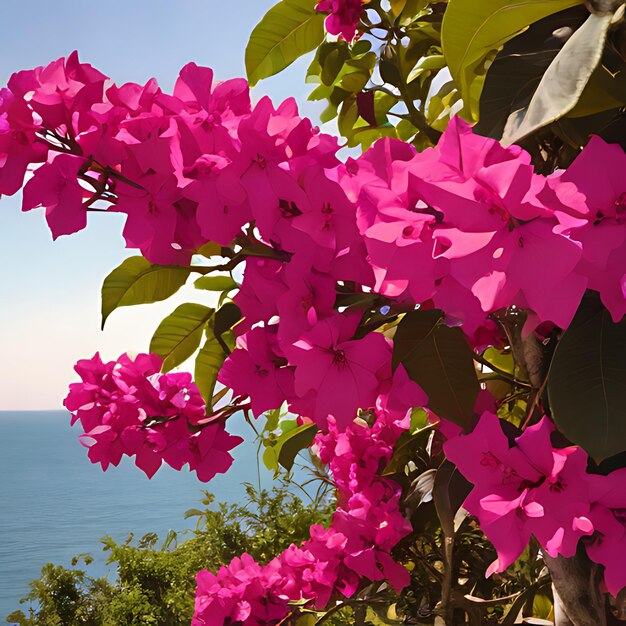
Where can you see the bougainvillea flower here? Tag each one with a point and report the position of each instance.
(344, 373)
(344, 16)
(55, 187)
(253, 369)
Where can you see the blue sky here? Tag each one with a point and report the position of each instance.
(50, 292)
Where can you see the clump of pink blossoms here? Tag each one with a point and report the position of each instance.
(344, 16)
(334, 562)
(126, 407)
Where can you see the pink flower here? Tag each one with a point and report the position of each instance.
(55, 187)
(342, 373)
(254, 369)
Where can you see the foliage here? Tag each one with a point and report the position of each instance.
(155, 584)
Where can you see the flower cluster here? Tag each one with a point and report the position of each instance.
(182, 167)
(469, 227)
(535, 488)
(126, 407)
(343, 16)
(336, 561)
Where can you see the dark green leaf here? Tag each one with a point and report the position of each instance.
(179, 334)
(473, 31)
(137, 281)
(439, 359)
(288, 30)
(587, 381)
(225, 318)
(563, 82)
(449, 492)
(517, 69)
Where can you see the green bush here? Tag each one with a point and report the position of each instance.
(154, 585)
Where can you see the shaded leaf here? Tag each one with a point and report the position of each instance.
(137, 281)
(179, 334)
(517, 69)
(563, 82)
(449, 492)
(225, 318)
(587, 381)
(439, 359)
(472, 32)
(288, 30)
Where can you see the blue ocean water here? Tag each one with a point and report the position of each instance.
(54, 504)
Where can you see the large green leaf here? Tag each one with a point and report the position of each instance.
(137, 281)
(179, 334)
(288, 30)
(439, 359)
(517, 69)
(472, 32)
(564, 81)
(587, 382)
(208, 363)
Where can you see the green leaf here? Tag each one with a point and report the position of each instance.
(137, 281)
(517, 69)
(225, 318)
(208, 363)
(288, 30)
(587, 381)
(215, 283)
(472, 32)
(209, 249)
(449, 492)
(179, 334)
(439, 359)
(286, 447)
(563, 82)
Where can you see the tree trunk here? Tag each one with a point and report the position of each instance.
(577, 597)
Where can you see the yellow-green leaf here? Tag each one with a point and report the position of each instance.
(472, 32)
(137, 281)
(179, 334)
(215, 283)
(288, 30)
(208, 363)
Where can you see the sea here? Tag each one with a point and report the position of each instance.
(55, 504)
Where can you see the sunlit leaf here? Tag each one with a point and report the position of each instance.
(215, 283)
(208, 363)
(179, 334)
(288, 30)
(137, 281)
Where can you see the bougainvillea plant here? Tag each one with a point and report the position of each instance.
(439, 322)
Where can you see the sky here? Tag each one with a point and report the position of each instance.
(50, 291)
